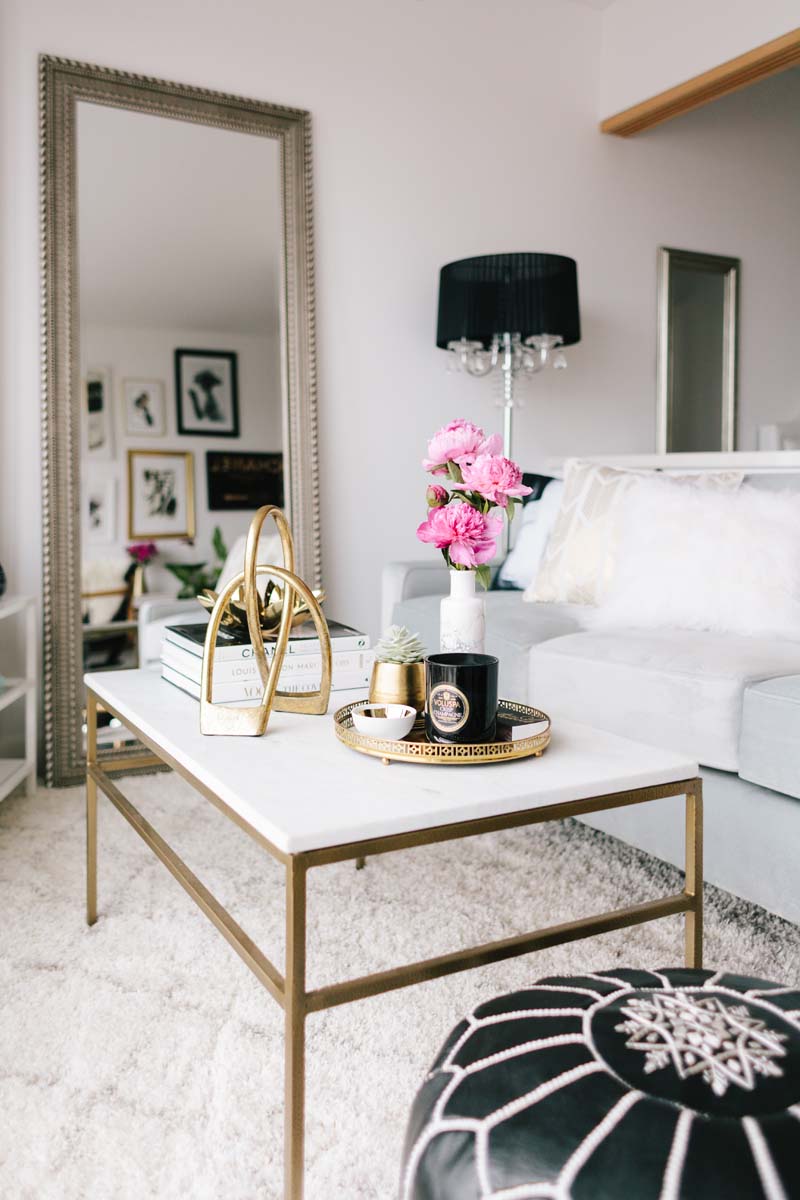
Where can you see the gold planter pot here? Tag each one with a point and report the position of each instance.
(398, 683)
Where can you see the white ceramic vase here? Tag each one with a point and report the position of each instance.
(462, 616)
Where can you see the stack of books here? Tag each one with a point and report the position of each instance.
(236, 677)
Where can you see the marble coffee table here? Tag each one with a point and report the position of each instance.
(310, 801)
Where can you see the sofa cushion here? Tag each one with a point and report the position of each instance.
(678, 688)
(578, 561)
(769, 748)
(740, 551)
(536, 523)
(512, 628)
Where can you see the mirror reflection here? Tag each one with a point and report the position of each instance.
(698, 299)
(183, 425)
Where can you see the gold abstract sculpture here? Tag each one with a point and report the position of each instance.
(252, 722)
(270, 608)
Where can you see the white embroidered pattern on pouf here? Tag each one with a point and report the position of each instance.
(720, 1042)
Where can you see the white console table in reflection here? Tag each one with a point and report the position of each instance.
(14, 771)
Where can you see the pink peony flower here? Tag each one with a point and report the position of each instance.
(436, 496)
(467, 535)
(142, 552)
(460, 442)
(494, 477)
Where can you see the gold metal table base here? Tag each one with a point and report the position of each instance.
(289, 988)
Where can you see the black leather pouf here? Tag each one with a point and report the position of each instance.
(623, 1085)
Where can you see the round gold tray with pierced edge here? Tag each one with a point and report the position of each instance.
(416, 748)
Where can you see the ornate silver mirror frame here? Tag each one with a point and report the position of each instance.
(697, 336)
(63, 84)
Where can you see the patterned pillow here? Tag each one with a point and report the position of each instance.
(578, 561)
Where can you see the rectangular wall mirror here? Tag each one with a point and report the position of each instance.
(697, 351)
(179, 375)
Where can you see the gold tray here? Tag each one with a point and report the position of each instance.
(416, 748)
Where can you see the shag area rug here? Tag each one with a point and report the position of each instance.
(140, 1058)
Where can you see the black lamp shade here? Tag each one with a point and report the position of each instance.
(493, 294)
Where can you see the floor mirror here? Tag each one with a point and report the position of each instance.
(178, 360)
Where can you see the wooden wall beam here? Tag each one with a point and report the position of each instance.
(769, 59)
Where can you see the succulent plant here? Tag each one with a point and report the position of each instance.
(399, 645)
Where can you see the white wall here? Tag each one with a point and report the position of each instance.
(148, 354)
(436, 135)
(649, 45)
(736, 166)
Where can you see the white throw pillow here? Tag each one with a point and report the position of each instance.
(537, 520)
(579, 557)
(703, 559)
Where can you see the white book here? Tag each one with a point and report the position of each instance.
(193, 689)
(247, 694)
(518, 730)
(245, 670)
(234, 642)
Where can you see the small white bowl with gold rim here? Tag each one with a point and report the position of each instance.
(391, 721)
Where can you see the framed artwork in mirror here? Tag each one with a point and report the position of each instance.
(160, 494)
(100, 512)
(242, 481)
(98, 425)
(145, 407)
(206, 390)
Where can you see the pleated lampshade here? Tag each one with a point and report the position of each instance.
(528, 294)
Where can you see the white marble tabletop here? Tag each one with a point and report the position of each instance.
(303, 790)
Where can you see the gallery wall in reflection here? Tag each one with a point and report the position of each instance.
(180, 339)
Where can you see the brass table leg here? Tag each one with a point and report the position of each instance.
(694, 875)
(91, 810)
(295, 1009)
(290, 991)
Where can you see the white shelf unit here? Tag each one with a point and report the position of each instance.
(14, 771)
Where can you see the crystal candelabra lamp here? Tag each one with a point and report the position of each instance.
(508, 315)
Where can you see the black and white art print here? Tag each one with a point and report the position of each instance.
(145, 408)
(243, 481)
(160, 494)
(97, 418)
(100, 512)
(206, 388)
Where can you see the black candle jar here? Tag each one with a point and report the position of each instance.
(460, 697)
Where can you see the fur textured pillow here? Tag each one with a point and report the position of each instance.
(703, 559)
(578, 561)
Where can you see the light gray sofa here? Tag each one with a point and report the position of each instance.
(732, 702)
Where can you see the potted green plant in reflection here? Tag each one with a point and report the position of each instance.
(196, 577)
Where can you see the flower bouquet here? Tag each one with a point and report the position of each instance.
(465, 521)
(141, 553)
